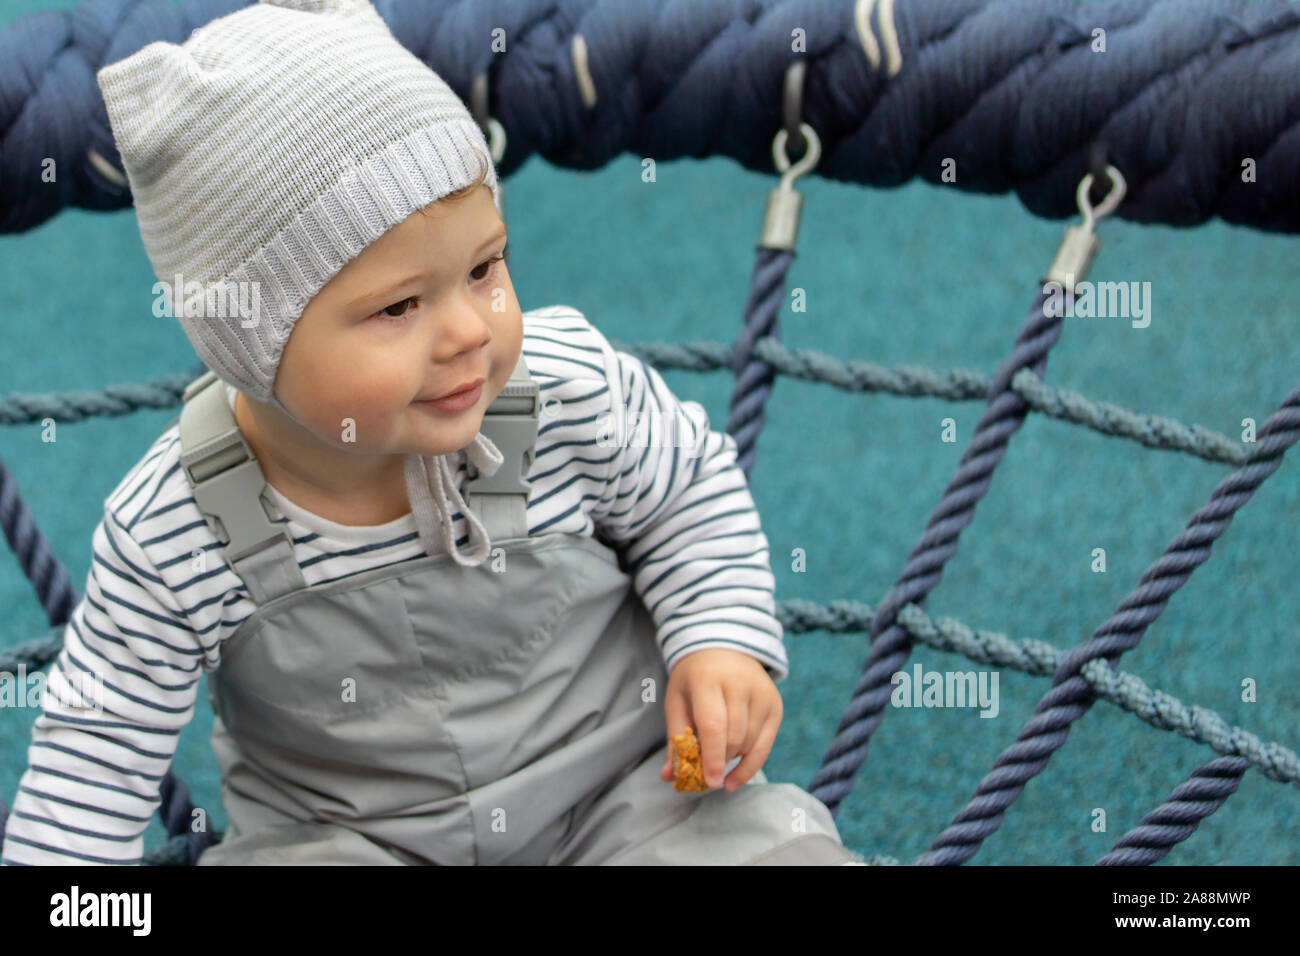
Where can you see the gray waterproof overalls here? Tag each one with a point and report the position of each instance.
(433, 713)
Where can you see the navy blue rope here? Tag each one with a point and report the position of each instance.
(1011, 91)
(1177, 818)
(755, 377)
(177, 814)
(45, 572)
(1070, 696)
(57, 596)
(890, 643)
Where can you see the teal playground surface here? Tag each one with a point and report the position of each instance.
(917, 275)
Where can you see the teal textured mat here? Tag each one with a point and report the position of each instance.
(918, 275)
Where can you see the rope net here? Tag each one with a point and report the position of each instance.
(1151, 839)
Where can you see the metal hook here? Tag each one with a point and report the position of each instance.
(813, 152)
(1118, 188)
(781, 218)
(1079, 245)
(784, 204)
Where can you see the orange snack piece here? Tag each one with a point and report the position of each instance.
(687, 772)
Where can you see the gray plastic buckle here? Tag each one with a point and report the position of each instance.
(510, 423)
(225, 477)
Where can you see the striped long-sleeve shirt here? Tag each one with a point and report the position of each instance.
(155, 613)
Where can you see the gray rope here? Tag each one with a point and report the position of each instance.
(813, 366)
(1200, 724)
(22, 408)
(1126, 691)
(1153, 431)
(35, 653)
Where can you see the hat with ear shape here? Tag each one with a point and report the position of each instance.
(272, 147)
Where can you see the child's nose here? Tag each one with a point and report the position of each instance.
(461, 329)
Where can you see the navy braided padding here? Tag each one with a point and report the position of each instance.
(1071, 696)
(890, 643)
(1009, 89)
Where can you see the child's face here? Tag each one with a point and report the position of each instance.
(420, 312)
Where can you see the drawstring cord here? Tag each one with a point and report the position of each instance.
(431, 487)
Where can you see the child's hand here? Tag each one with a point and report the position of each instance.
(734, 707)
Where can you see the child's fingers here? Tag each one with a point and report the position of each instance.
(709, 711)
(756, 754)
(677, 717)
(740, 731)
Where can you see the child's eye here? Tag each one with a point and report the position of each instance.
(397, 311)
(505, 254)
(388, 313)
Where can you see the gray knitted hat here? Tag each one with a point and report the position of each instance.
(272, 147)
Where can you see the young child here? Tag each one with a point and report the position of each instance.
(436, 630)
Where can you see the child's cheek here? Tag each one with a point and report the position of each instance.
(359, 418)
(368, 380)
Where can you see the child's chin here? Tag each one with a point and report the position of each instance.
(448, 436)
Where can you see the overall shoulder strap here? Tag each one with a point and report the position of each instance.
(228, 484)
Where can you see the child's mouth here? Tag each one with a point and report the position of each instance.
(458, 402)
